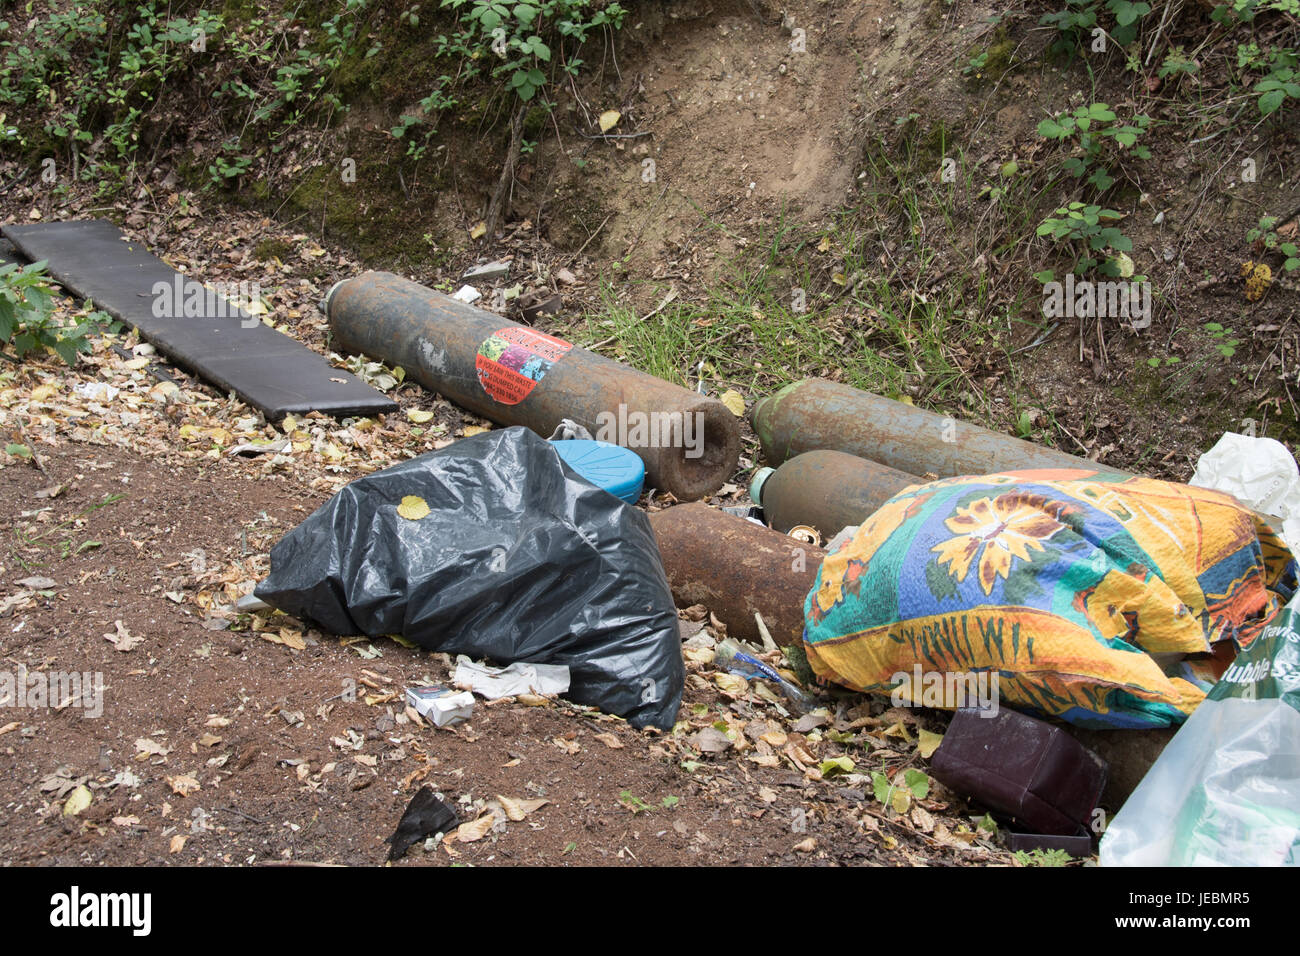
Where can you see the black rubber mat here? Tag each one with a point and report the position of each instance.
(265, 368)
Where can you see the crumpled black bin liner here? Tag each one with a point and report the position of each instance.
(519, 559)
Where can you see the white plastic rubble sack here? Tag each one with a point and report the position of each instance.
(1226, 791)
(1258, 472)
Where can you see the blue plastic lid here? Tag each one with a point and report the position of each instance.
(611, 467)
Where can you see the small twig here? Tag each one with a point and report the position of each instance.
(614, 135)
(591, 237)
(246, 816)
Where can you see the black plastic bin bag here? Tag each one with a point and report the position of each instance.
(517, 559)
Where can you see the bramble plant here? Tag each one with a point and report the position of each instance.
(534, 43)
(1080, 17)
(1279, 66)
(27, 323)
(1095, 131)
(1082, 224)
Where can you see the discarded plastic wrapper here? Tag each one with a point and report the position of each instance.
(442, 705)
(496, 682)
(730, 655)
(1258, 472)
(424, 816)
(1226, 790)
(494, 548)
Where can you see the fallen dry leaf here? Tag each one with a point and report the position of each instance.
(148, 747)
(731, 685)
(286, 637)
(610, 741)
(77, 801)
(518, 810)
(122, 639)
(183, 784)
(413, 508)
(475, 829)
(734, 401)
(929, 742)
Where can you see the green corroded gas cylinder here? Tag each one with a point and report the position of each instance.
(825, 490)
(816, 414)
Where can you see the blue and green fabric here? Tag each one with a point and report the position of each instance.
(1062, 582)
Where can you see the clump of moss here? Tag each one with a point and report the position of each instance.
(797, 658)
(269, 249)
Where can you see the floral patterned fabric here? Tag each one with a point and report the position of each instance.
(1061, 582)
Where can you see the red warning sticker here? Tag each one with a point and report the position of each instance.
(513, 360)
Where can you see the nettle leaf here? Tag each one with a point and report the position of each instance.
(67, 350)
(23, 343)
(38, 299)
(1052, 130)
(1270, 101)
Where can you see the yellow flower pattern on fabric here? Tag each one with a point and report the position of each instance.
(993, 531)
